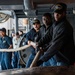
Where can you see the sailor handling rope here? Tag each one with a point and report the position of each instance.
(23, 48)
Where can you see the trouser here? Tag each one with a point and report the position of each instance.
(15, 60)
(0, 59)
(30, 59)
(6, 60)
(62, 64)
(0, 56)
(50, 62)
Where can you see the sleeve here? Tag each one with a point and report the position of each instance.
(56, 45)
(13, 41)
(27, 37)
(9, 41)
(38, 36)
(45, 39)
(0, 43)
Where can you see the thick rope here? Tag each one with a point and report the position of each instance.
(14, 50)
(33, 64)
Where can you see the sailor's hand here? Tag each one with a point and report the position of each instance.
(29, 42)
(33, 44)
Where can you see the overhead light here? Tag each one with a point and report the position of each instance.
(26, 13)
(30, 13)
(73, 11)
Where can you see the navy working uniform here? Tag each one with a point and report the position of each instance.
(52, 61)
(47, 27)
(0, 55)
(6, 56)
(31, 35)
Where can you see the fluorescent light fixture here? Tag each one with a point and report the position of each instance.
(73, 11)
(26, 13)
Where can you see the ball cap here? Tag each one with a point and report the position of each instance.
(36, 21)
(3, 29)
(60, 7)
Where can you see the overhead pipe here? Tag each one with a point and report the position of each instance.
(28, 5)
(29, 8)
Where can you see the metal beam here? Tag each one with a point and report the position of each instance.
(11, 7)
(11, 2)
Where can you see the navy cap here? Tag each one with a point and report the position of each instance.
(60, 7)
(3, 29)
(36, 21)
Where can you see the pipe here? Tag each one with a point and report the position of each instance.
(28, 4)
